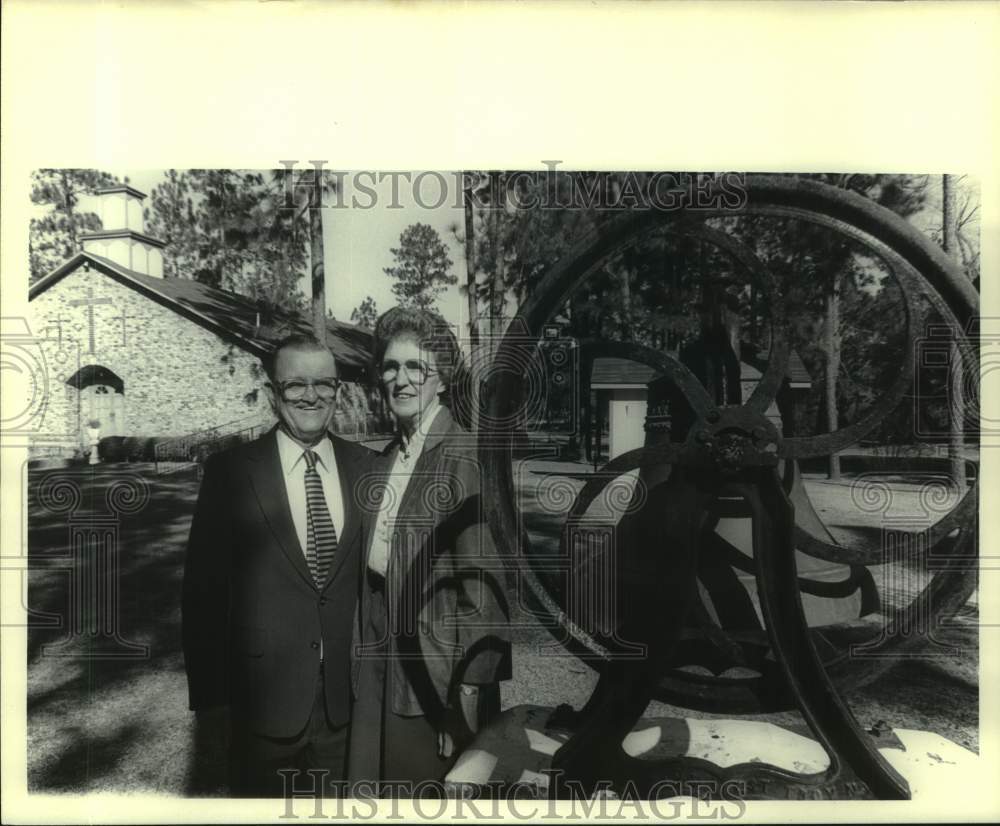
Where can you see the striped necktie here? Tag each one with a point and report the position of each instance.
(321, 541)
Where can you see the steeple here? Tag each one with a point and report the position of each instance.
(123, 239)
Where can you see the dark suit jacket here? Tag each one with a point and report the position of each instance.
(448, 614)
(252, 616)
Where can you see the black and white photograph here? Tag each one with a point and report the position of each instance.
(524, 489)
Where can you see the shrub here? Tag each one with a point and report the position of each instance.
(144, 448)
(140, 449)
(111, 449)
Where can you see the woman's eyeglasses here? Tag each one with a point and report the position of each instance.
(418, 371)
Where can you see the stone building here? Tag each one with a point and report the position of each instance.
(148, 356)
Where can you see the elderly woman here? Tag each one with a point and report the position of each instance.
(431, 643)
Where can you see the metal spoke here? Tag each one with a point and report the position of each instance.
(720, 443)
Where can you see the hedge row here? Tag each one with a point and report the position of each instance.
(144, 449)
(138, 449)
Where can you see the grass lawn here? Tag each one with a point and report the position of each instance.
(100, 724)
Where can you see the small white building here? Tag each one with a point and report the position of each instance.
(622, 391)
(622, 388)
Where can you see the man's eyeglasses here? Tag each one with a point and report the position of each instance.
(293, 391)
(418, 371)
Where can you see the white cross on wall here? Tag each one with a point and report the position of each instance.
(89, 303)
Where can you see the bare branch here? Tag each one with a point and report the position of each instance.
(964, 219)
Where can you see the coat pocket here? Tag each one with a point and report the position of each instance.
(250, 642)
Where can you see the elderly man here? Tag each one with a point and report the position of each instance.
(271, 580)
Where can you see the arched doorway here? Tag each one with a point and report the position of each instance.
(101, 398)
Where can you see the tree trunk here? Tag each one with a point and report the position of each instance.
(316, 252)
(470, 273)
(68, 196)
(831, 343)
(472, 298)
(497, 299)
(956, 412)
(625, 326)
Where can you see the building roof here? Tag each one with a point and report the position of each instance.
(130, 190)
(619, 373)
(232, 316)
(608, 373)
(796, 370)
(123, 233)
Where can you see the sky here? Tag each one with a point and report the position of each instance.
(361, 227)
(358, 239)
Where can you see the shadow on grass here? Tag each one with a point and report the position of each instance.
(927, 695)
(151, 547)
(89, 759)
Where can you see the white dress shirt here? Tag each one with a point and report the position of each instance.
(396, 482)
(293, 466)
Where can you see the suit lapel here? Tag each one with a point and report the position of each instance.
(425, 462)
(443, 424)
(380, 468)
(348, 474)
(268, 482)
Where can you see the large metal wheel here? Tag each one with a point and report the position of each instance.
(920, 268)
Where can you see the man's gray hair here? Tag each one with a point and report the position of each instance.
(295, 341)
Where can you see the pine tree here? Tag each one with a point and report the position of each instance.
(365, 314)
(305, 194)
(55, 237)
(170, 217)
(423, 268)
(226, 228)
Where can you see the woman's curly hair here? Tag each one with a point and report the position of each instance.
(435, 336)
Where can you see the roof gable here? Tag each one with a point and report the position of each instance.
(234, 317)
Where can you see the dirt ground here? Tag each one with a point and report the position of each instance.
(120, 723)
